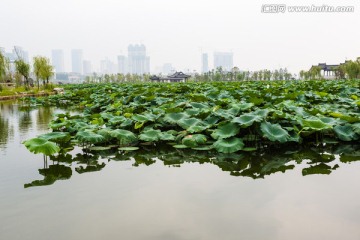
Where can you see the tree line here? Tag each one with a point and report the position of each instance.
(348, 70)
(42, 71)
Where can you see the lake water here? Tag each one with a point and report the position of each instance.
(172, 195)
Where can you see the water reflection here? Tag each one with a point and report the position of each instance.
(51, 174)
(258, 164)
(6, 130)
(18, 120)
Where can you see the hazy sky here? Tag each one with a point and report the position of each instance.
(178, 31)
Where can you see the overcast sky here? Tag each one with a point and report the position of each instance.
(177, 31)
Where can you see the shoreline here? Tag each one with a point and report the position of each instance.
(11, 97)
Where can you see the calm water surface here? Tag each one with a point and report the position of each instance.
(285, 194)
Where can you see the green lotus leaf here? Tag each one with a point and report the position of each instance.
(194, 140)
(124, 136)
(204, 148)
(247, 119)
(175, 117)
(356, 128)
(128, 148)
(345, 133)
(41, 145)
(263, 113)
(229, 145)
(144, 117)
(347, 118)
(193, 111)
(256, 101)
(89, 137)
(199, 105)
(167, 136)
(211, 119)
(56, 136)
(150, 135)
(161, 100)
(315, 124)
(226, 114)
(226, 130)
(243, 106)
(105, 115)
(81, 126)
(193, 125)
(99, 148)
(274, 132)
(117, 120)
(329, 120)
(126, 123)
(106, 133)
(180, 146)
(57, 126)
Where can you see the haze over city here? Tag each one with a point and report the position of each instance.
(178, 32)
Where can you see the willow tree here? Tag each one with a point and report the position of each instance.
(4, 66)
(352, 69)
(23, 69)
(38, 64)
(42, 69)
(47, 71)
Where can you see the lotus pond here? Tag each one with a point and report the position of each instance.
(277, 160)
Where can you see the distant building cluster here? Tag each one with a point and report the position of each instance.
(136, 62)
(225, 60)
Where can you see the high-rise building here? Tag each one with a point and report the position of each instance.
(138, 62)
(204, 63)
(108, 67)
(224, 60)
(87, 67)
(77, 60)
(122, 64)
(57, 60)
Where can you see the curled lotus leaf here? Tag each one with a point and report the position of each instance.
(144, 117)
(247, 119)
(117, 120)
(345, 133)
(229, 145)
(194, 140)
(167, 136)
(243, 106)
(274, 132)
(356, 128)
(226, 130)
(56, 136)
(41, 145)
(150, 135)
(175, 117)
(315, 124)
(106, 133)
(199, 105)
(89, 137)
(193, 125)
(124, 136)
(263, 113)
